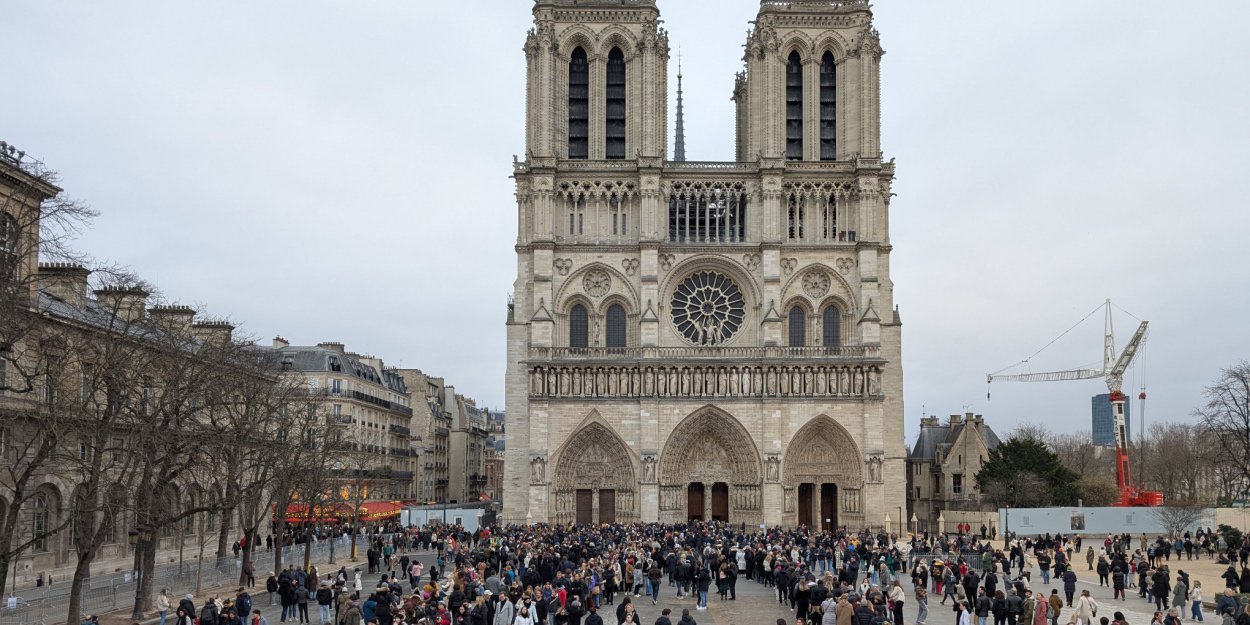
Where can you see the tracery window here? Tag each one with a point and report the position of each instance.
(616, 326)
(828, 108)
(579, 105)
(615, 128)
(797, 327)
(796, 218)
(794, 107)
(708, 308)
(577, 215)
(620, 216)
(831, 323)
(707, 213)
(579, 327)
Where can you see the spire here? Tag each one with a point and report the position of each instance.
(679, 146)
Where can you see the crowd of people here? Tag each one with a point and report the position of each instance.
(582, 575)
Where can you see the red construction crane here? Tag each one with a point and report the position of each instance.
(1113, 371)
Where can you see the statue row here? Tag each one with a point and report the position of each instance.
(706, 381)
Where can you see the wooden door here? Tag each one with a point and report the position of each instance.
(805, 504)
(607, 506)
(694, 502)
(720, 501)
(828, 506)
(585, 505)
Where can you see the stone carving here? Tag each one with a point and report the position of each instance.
(563, 265)
(788, 265)
(845, 265)
(823, 451)
(595, 458)
(816, 283)
(666, 261)
(648, 469)
(708, 309)
(772, 468)
(597, 283)
(663, 381)
(710, 447)
(873, 466)
(538, 470)
(752, 261)
(630, 265)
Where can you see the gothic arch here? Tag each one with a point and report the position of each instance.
(572, 287)
(839, 290)
(616, 36)
(823, 451)
(833, 43)
(576, 36)
(713, 262)
(594, 457)
(796, 41)
(710, 446)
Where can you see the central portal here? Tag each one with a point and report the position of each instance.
(822, 512)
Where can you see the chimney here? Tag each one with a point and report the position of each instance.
(125, 303)
(928, 422)
(215, 333)
(174, 319)
(65, 281)
(280, 343)
(333, 346)
(956, 419)
(976, 419)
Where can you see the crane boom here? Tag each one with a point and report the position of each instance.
(1115, 376)
(1052, 376)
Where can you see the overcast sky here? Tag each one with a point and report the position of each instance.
(339, 171)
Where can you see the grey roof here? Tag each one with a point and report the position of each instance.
(941, 437)
(98, 316)
(320, 359)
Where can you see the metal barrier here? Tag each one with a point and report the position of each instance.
(104, 593)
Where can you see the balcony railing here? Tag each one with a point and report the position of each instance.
(401, 430)
(668, 354)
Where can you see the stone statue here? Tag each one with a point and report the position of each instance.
(648, 469)
(774, 468)
(538, 470)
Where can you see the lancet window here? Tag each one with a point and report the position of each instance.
(797, 320)
(579, 105)
(794, 107)
(831, 326)
(579, 327)
(828, 108)
(615, 336)
(615, 126)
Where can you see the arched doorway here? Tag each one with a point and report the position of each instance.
(594, 478)
(710, 469)
(824, 474)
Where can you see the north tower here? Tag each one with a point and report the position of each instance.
(711, 340)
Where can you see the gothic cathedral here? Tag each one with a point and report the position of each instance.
(704, 340)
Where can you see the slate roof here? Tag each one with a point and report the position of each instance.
(939, 438)
(313, 358)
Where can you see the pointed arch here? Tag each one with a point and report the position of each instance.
(823, 451)
(794, 106)
(594, 458)
(615, 105)
(710, 445)
(579, 104)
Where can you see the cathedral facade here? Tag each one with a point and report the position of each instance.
(704, 340)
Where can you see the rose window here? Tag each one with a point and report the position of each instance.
(707, 308)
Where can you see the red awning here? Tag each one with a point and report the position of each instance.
(298, 513)
(378, 510)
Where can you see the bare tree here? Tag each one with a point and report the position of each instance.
(37, 221)
(1177, 519)
(1226, 415)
